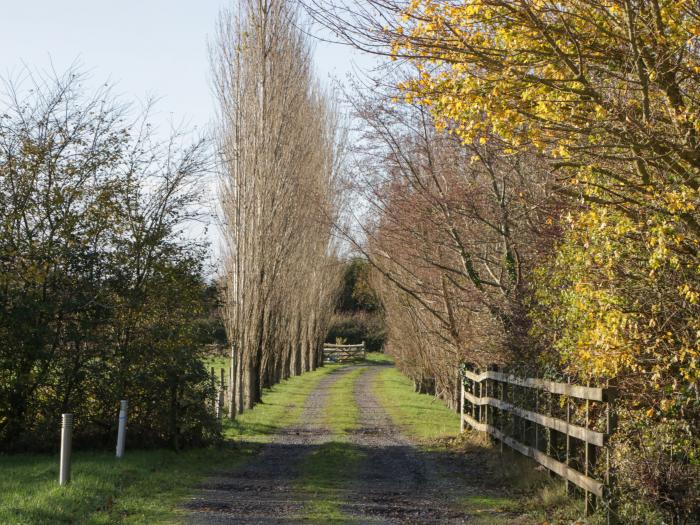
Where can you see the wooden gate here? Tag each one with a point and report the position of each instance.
(343, 353)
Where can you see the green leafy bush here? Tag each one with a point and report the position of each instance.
(101, 295)
(358, 327)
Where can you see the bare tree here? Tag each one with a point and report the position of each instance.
(453, 233)
(278, 143)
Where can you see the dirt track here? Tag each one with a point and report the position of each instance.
(394, 482)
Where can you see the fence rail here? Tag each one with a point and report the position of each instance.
(520, 413)
(333, 353)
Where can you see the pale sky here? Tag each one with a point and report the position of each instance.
(143, 47)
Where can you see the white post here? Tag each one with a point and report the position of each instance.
(461, 401)
(121, 433)
(66, 443)
(219, 402)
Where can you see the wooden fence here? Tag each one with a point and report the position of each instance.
(562, 426)
(343, 353)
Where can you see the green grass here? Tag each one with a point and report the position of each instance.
(281, 407)
(418, 415)
(492, 510)
(218, 362)
(146, 486)
(341, 413)
(379, 358)
(320, 473)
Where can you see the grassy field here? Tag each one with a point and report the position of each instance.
(217, 362)
(144, 487)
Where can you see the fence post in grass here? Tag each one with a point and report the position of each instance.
(587, 458)
(481, 394)
(220, 396)
(488, 411)
(472, 385)
(536, 427)
(499, 386)
(121, 432)
(550, 435)
(568, 438)
(66, 444)
(461, 400)
(611, 516)
(213, 384)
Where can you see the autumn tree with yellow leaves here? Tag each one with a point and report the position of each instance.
(608, 94)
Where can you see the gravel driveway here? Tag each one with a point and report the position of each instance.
(395, 482)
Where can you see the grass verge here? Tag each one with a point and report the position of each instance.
(142, 488)
(146, 486)
(418, 415)
(341, 413)
(281, 406)
(379, 358)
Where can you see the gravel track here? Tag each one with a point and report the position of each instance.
(395, 483)
(262, 490)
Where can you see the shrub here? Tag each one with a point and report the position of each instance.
(357, 327)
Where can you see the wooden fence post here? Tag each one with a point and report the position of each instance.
(481, 407)
(536, 426)
(220, 396)
(472, 384)
(568, 438)
(487, 408)
(500, 414)
(610, 422)
(216, 397)
(550, 435)
(589, 508)
(461, 400)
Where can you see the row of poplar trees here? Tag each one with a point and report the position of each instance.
(278, 141)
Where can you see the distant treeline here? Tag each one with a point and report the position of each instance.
(359, 314)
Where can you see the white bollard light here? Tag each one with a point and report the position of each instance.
(66, 443)
(121, 433)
